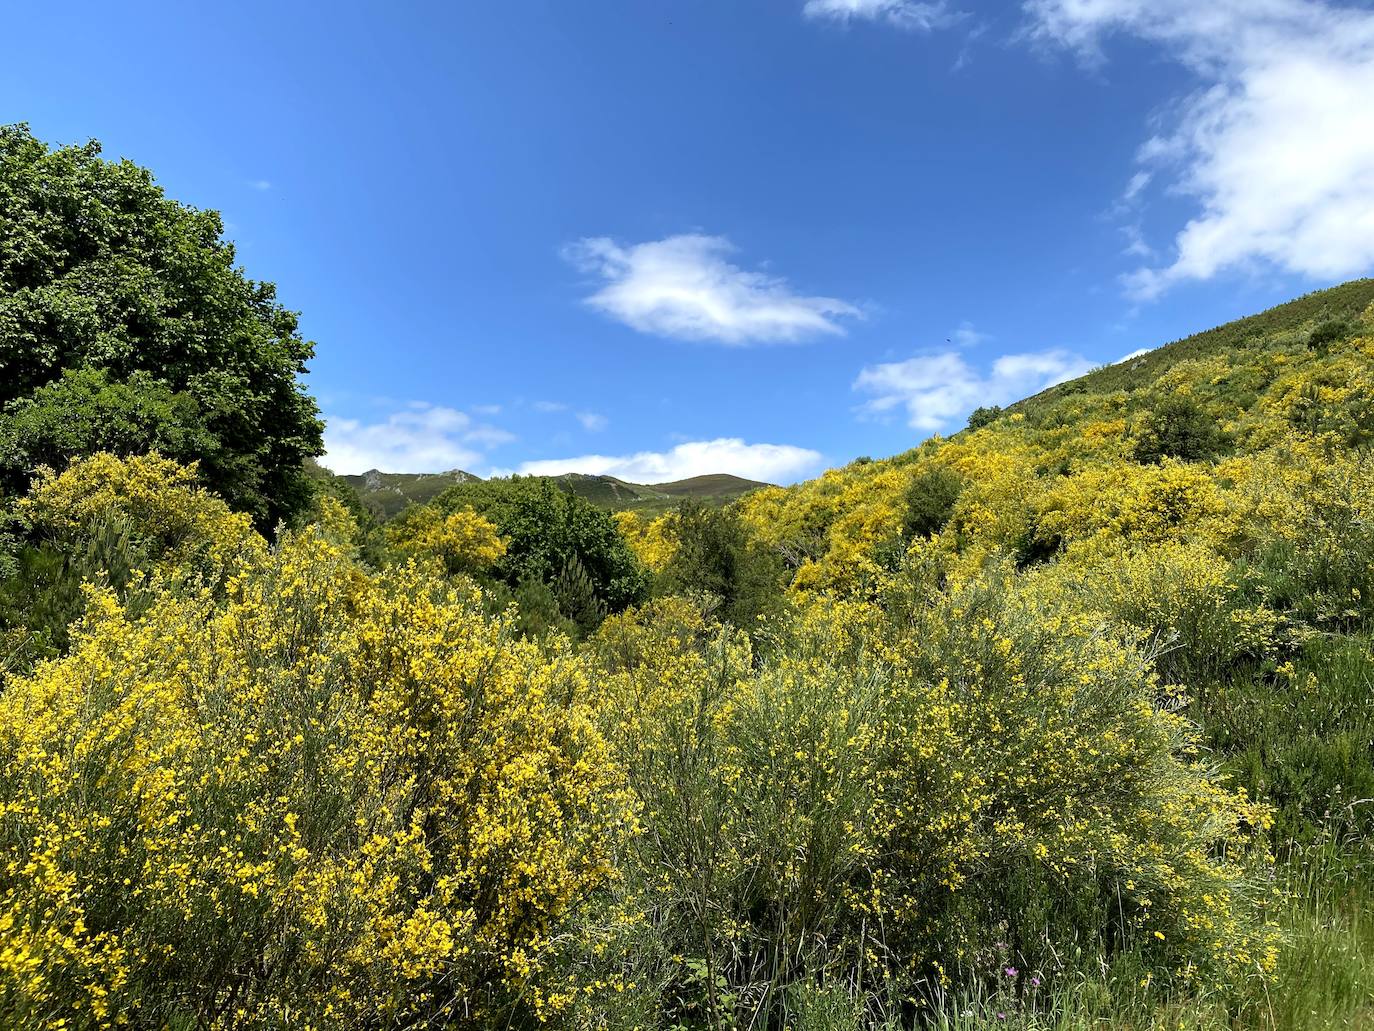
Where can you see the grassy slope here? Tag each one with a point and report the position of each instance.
(387, 494)
(1344, 303)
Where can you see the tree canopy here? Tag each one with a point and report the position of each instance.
(552, 537)
(126, 326)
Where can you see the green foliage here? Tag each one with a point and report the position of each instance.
(84, 412)
(1328, 333)
(545, 530)
(984, 415)
(930, 500)
(715, 557)
(1179, 427)
(124, 312)
(47, 590)
(576, 596)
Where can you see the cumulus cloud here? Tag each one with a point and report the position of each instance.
(685, 287)
(934, 390)
(773, 463)
(422, 438)
(1277, 143)
(906, 14)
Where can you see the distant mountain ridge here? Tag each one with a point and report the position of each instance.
(388, 494)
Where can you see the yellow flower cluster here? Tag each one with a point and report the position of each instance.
(653, 541)
(329, 799)
(182, 525)
(462, 541)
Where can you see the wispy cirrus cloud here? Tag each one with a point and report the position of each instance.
(421, 438)
(773, 463)
(935, 390)
(686, 287)
(1276, 145)
(592, 422)
(916, 15)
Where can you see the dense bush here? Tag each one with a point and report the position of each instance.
(106, 521)
(1329, 332)
(332, 800)
(462, 542)
(985, 415)
(714, 557)
(1179, 427)
(548, 533)
(891, 802)
(930, 500)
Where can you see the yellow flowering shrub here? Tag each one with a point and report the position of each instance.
(1188, 602)
(179, 523)
(894, 798)
(461, 541)
(329, 800)
(652, 540)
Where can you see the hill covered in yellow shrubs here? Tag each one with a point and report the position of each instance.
(1065, 721)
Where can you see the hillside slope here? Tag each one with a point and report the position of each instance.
(1049, 471)
(386, 495)
(1294, 319)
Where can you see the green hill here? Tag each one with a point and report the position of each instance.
(385, 495)
(1287, 323)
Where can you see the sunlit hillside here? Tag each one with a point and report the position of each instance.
(1065, 721)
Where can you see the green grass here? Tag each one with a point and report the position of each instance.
(1344, 302)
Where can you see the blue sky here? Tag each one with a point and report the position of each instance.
(663, 237)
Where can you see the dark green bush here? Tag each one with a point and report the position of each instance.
(1179, 427)
(717, 558)
(930, 501)
(984, 416)
(1329, 332)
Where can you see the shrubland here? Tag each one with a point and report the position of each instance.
(1064, 721)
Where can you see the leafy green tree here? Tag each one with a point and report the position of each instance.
(84, 412)
(126, 326)
(545, 529)
(984, 416)
(1179, 427)
(716, 557)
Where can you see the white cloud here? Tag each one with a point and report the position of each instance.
(906, 14)
(549, 407)
(684, 287)
(1276, 145)
(422, 438)
(592, 422)
(261, 185)
(937, 389)
(774, 463)
(967, 336)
